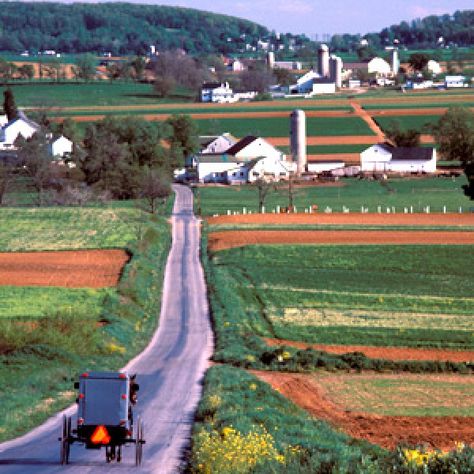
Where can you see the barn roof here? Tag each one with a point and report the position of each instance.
(411, 154)
(239, 146)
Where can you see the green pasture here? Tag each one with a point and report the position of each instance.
(353, 194)
(422, 123)
(420, 105)
(376, 295)
(280, 127)
(68, 228)
(386, 395)
(74, 94)
(30, 302)
(328, 149)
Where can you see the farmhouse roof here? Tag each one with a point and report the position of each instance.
(412, 154)
(217, 158)
(239, 146)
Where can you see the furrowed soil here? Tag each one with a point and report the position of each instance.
(387, 431)
(433, 219)
(229, 239)
(68, 269)
(388, 353)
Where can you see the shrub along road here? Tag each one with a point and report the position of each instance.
(169, 372)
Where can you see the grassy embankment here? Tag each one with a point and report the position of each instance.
(49, 335)
(353, 194)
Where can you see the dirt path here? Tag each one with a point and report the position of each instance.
(388, 353)
(228, 239)
(68, 269)
(386, 431)
(364, 115)
(349, 219)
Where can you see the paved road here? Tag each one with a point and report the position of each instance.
(169, 371)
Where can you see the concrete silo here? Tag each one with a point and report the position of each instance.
(335, 68)
(323, 60)
(298, 140)
(271, 60)
(395, 62)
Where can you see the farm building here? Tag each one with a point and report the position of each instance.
(379, 66)
(217, 92)
(20, 126)
(433, 66)
(455, 81)
(60, 147)
(216, 143)
(323, 166)
(249, 155)
(304, 84)
(384, 157)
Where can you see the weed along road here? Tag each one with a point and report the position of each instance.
(169, 371)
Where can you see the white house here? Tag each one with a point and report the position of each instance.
(217, 92)
(16, 127)
(384, 157)
(60, 147)
(455, 81)
(433, 66)
(379, 66)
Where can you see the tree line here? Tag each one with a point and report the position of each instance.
(120, 28)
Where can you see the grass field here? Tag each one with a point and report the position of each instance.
(68, 228)
(374, 295)
(328, 149)
(398, 193)
(386, 395)
(422, 123)
(280, 127)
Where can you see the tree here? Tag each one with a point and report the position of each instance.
(6, 178)
(454, 134)
(400, 137)
(85, 67)
(9, 105)
(183, 138)
(418, 61)
(164, 85)
(138, 65)
(26, 71)
(283, 77)
(258, 79)
(263, 187)
(153, 187)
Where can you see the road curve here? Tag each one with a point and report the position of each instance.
(170, 373)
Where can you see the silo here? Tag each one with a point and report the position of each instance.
(395, 62)
(271, 59)
(335, 67)
(323, 60)
(298, 140)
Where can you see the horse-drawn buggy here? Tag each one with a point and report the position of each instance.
(104, 416)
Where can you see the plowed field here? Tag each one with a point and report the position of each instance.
(69, 269)
(387, 431)
(229, 239)
(348, 219)
(388, 353)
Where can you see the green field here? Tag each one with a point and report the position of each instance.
(398, 193)
(70, 94)
(328, 149)
(422, 123)
(280, 127)
(420, 105)
(68, 228)
(417, 296)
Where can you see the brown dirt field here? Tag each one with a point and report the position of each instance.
(364, 115)
(386, 431)
(229, 239)
(68, 269)
(388, 353)
(349, 219)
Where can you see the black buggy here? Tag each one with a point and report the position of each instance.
(104, 416)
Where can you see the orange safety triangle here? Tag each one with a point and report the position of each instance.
(100, 435)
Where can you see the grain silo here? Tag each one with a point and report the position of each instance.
(323, 60)
(395, 62)
(298, 140)
(335, 68)
(270, 59)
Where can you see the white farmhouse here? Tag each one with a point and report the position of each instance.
(385, 158)
(217, 92)
(21, 126)
(455, 82)
(379, 66)
(216, 143)
(60, 147)
(434, 67)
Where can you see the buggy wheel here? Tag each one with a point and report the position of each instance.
(139, 441)
(65, 440)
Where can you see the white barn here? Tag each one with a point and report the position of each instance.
(386, 158)
(216, 143)
(379, 66)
